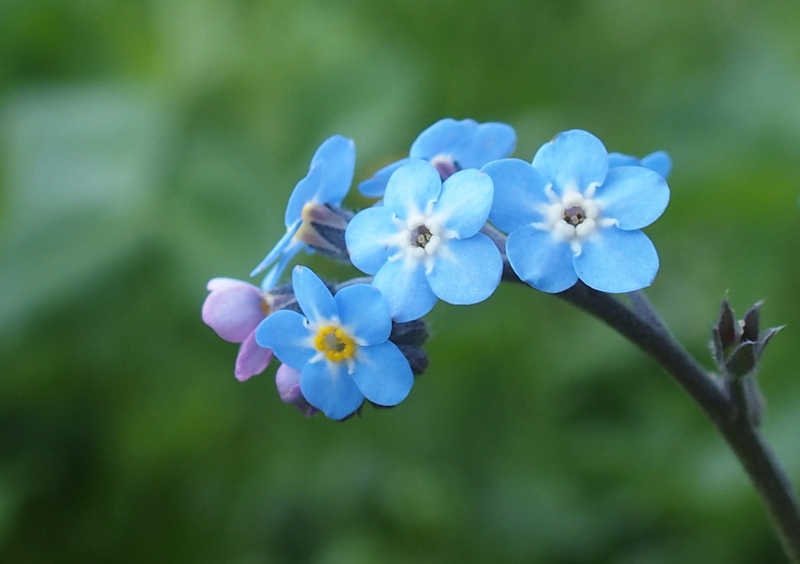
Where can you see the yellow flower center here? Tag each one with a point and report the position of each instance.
(335, 343)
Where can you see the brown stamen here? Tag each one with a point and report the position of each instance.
(574, 215)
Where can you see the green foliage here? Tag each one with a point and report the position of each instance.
(147, 147)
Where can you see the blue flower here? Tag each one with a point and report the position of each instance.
(340, 346)
(569, 216)
(423, 243)
(327, 182)
(450, 146)
(657, 162)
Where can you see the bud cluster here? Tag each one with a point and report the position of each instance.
(737, 346)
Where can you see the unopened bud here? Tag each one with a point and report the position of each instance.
(416, 357)
(409, 333)
(737, 347)
(287, 380)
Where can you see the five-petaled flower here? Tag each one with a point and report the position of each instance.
(339, 345)
(234, 309)
(569, 216)
(424, 244)
(450, 146)
(327, 182)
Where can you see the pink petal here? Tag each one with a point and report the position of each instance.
(287, 380)
(252, 359)
(233, 308)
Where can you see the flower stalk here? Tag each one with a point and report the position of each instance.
(715, 399)
(728, 406)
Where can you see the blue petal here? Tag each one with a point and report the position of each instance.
(303, 193)
(364, 312)
(382, 374)
(633, 195)
(328, 387)
(617, 261)
(411, 188)
(272, 277)
(375, 187)
(337, 158)
(572, 160)
(465, 202)
(658, 162)
(313, 296)
(540, 260)
(518, 190)
(443, 138)
(490, 142)
(466, 271)
(279, 247)
(368, 237)
(621, 159)
(285, 332)
(406, 289)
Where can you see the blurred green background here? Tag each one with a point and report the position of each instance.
(146, 147)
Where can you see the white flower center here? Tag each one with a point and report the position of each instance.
(420, 237)
(574, 217)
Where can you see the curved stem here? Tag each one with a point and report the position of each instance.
(728, 411)
(758, 460)
(644, 309)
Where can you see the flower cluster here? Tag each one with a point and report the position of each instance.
(456, 217)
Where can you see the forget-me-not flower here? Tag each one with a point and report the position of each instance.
(450, 146)
(234, 309)
(658, 161)
(327, 182)
(340, 346)
(569, 216)
(424, 244)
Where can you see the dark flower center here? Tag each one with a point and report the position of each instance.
(574, 215)
(420, 236)
(445, 165)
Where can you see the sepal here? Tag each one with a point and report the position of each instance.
(737, 346)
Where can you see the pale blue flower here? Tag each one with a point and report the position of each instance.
(450, 146)
(424, 244)
(569, 216)
(340, 346)
(327, 182)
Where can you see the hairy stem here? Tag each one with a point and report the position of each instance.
(644, 327)
(646, 330)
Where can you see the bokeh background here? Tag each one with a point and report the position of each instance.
(146, 147)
